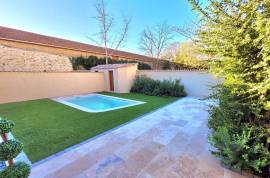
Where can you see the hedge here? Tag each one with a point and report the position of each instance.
(92, 61)
(148, 86)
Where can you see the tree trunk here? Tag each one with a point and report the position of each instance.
(10, 162)
(5, 138)
(106, 53)
(157, 63)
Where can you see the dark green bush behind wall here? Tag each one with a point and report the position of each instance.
(91, 61)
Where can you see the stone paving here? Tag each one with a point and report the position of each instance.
(168, 143)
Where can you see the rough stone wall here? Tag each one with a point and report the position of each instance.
(15, 59)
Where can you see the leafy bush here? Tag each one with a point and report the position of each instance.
(143, 66)
(148, 86)
(239, 142)
(18, 170)
(10, 149)
(166, 65)
(169, 88)
(200, 65)
(87, 63)
(5, 125)
(240, 45)
(144, 85)
(235, 150)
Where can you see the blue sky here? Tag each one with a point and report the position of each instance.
(72, 19)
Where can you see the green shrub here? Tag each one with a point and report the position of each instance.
(166, 65)
(87, 63)
(170, 88)
(5, 125)
(143, 66)
(199, 65)
(10, 149)
(236, 150)
(239, 138)
(178, 89)
(235, 35)
(144, 85)
(18, 170)
(176, 65)
(148, 86)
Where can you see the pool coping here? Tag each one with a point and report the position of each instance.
(62, 101)
(97, 136)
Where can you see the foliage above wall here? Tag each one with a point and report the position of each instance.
(238, 34)
(168, 65)
(185, 55)
(86, 63)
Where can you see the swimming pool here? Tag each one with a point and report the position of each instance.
(97, 102)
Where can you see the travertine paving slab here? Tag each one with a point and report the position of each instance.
(168, 143)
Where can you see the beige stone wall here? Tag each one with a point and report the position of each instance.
(126, 76)
(22, 86)
(15, 59)
(54, 50)
(123, 78)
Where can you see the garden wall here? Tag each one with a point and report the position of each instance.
(69, 52)
(15, 59)
(196, 83)
(21, 86)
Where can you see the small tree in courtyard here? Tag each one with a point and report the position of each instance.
(10, 149)
(105, 36)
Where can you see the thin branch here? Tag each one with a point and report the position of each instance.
(155, 40)
(106, 23)
(124, 32)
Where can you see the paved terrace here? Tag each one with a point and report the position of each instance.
(168, 143)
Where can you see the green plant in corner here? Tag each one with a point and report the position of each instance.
(9, 149)
(237, 34)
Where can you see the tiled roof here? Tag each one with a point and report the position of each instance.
(28, 37)
(112, 66)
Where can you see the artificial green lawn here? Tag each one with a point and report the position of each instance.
(47, 127)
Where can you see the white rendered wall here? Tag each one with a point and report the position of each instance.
(196, 83)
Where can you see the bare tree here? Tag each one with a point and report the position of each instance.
(105, 36)
(155, 40)
(189, 30)
(170, 52)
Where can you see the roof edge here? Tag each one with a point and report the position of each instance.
(146, 58)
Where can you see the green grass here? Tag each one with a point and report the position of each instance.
(47, 127)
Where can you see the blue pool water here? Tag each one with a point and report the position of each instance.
(97, 102)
